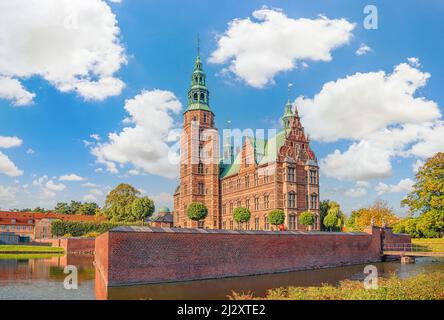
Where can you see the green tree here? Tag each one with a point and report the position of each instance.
(241, 215)
(276, 217)
(306, 218)
(335, 219)
(428, 191)
(142, 208)
(427, 200)
(39, 209)
(88, 208)
(197, 211)
(75, 206)
(118, 204)
(62, 208)
(324, 205)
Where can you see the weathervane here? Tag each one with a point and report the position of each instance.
(289, 90)
(198, 45)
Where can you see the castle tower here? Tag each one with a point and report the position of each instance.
(199, 169)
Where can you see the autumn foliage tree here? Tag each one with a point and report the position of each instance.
(379, 213)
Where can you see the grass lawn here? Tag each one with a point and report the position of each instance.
(28, 256)
(426, 286)
(10, 249)
(433, 244)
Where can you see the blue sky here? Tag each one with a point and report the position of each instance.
(48, 118)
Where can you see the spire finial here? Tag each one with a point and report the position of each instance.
(289, 91)
(198, 45)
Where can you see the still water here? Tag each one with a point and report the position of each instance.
(42, 278)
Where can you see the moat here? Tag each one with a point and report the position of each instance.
(42, 278)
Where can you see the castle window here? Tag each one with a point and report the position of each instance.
(231, 224)
(238, 183)
(247, 182)
(256, 223)
(313, 177)
(224, 225)
(292, 222)
(200, 168)
(314, 201)
(185, 189)
(266, 177)
(256, 179)
(267, 201)
(291, 174)
(256, 204)
(267, 224)
(231, 207)
(292, 200)
(201, 188)
(224, 209)
(306, 201)
(204, 115)
(202, 99)
(247, 204)
(239, 203)
(195, 97)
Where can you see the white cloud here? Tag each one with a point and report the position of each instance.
(51, 185)
(96, 192)
(405, 185)
(363, 49)
(74, 45)
(95, 136)
(48, 187)
(89, 198)
(360, 104)
(89, 185)
(71, 177)
(256, 50)
(414, 62)
(30, 151)
(7, 194)
(8, 167)
(145, 145)
(380, 116)
(10, 142)
(359, 190)
(12, 89)
(418, 164)
(162, 199)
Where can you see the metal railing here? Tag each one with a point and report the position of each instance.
(410, 247)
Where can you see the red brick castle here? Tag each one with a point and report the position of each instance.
(264, 174)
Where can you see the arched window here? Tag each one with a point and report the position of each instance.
(205, 118)
(291, 199)
(202, 97)
(195, 97)
(292, 222)
(200, 168)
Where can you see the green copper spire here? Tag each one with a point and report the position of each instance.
(198, 94)
(288, 113)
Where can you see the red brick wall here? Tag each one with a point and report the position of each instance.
(72, 245)
(144, 255)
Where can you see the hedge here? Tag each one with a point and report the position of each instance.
(77, 229)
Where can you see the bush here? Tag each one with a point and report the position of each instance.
(276, 217)
(77, 229)
(306, 218)
(241, 215)
(197, 211)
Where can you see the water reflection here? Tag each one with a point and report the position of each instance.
(33, 278)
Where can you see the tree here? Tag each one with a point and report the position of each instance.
(118, 204)
(427, 199)
(142, 208)
(380, 213)
(197, 211)
(88, 208)
(276, 217)
(324, 205)
(241, 215)
(39, 209)
(428, 191)
(75, 206)
(334, 219)
(62, 208)
(306, 218)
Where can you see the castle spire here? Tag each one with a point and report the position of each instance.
(198, 94)
(288, 113)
